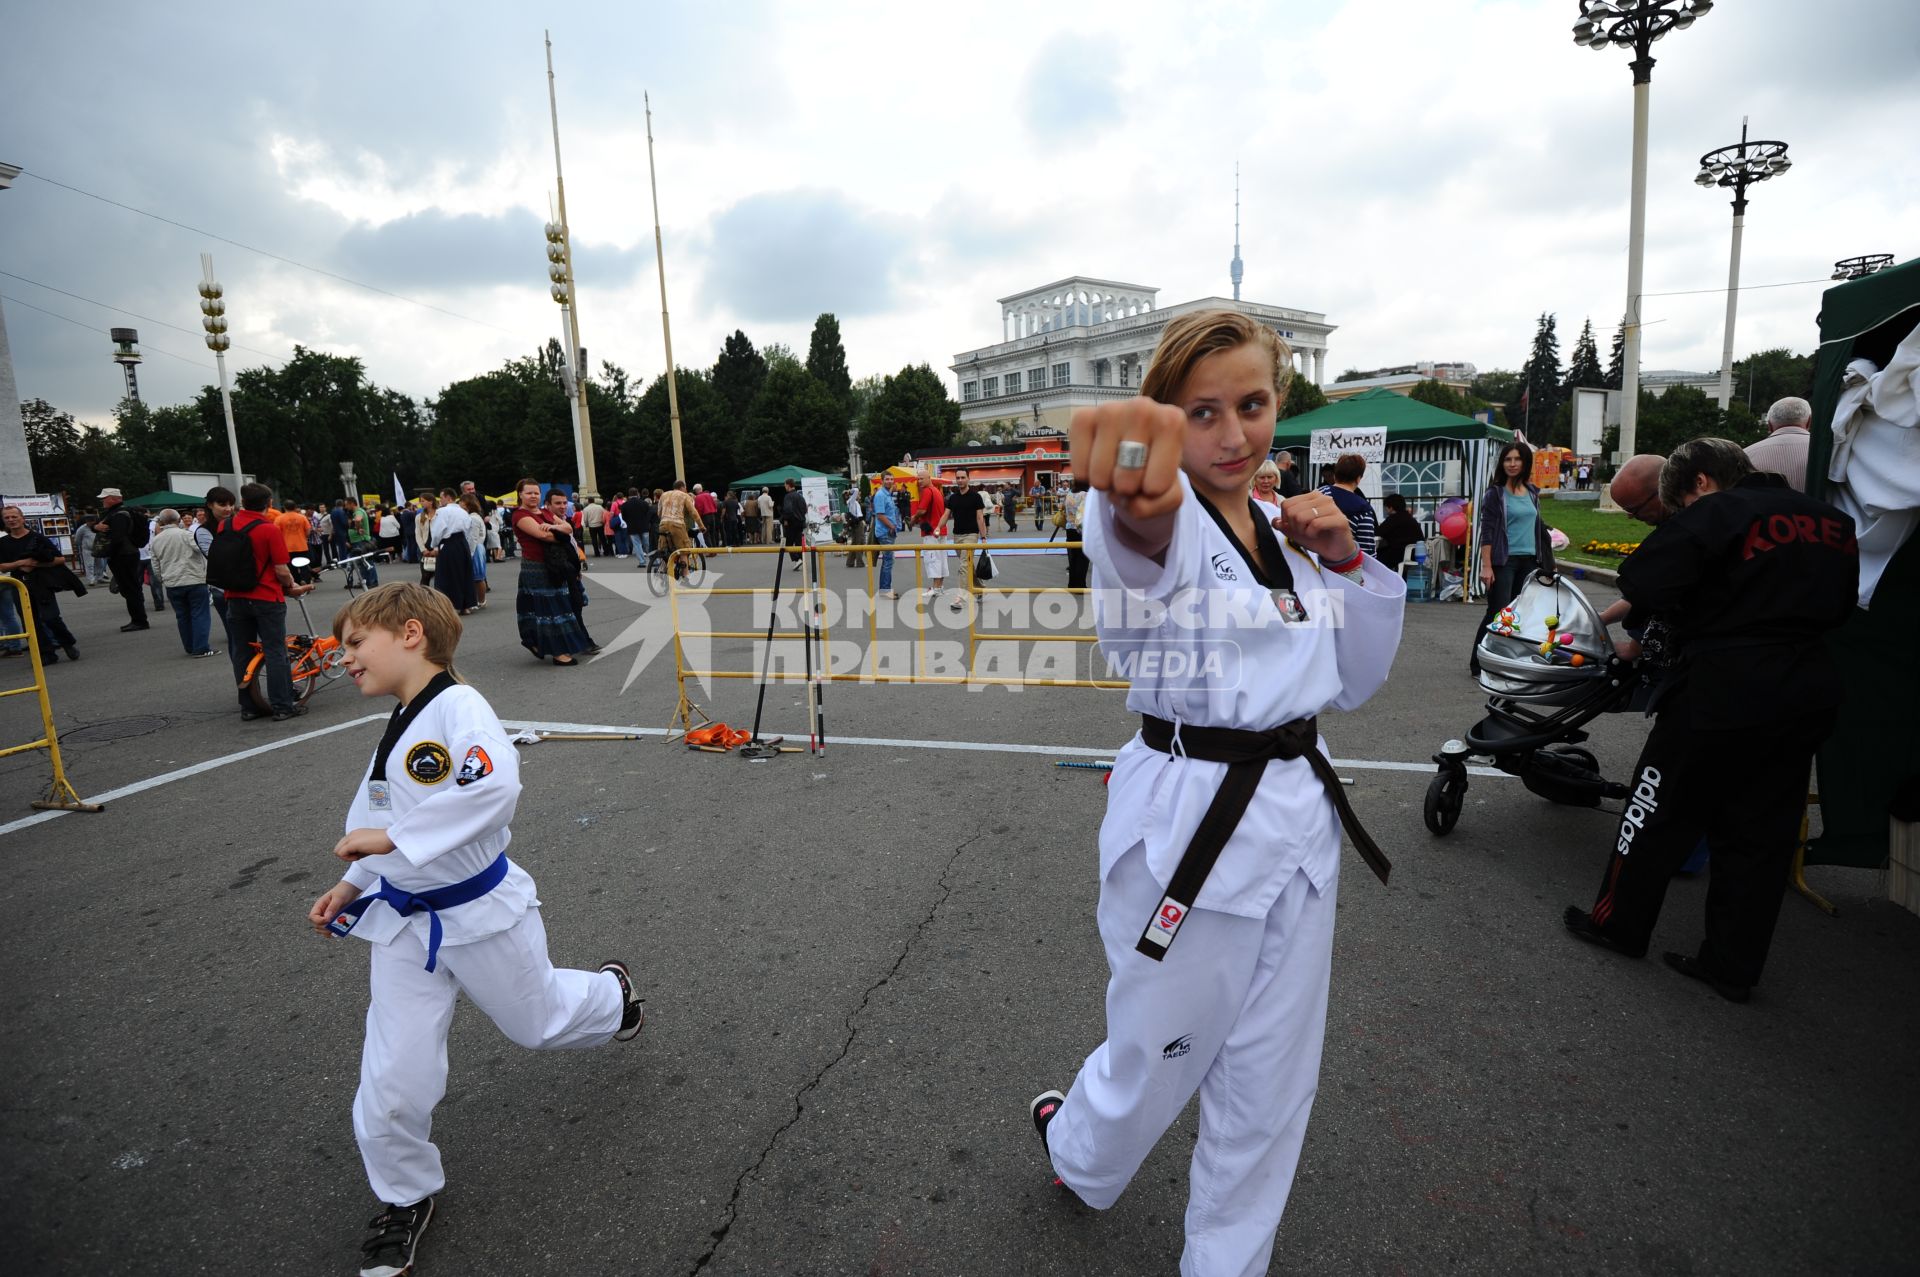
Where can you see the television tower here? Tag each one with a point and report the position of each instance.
(1238, 269)
(126, 353)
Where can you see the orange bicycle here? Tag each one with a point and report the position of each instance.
(312, 661)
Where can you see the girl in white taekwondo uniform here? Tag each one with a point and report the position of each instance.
(1219, 855)
(430, 886)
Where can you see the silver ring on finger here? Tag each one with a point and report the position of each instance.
(1130, 455)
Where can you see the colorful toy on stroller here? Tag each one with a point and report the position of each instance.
(1551, 669)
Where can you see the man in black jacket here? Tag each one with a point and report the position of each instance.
(793, 517)
(125, 531)
(1751, 575)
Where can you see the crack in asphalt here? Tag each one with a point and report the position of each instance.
(851, 1022)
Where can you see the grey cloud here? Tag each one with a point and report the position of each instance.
(788, 255)
(434, 249)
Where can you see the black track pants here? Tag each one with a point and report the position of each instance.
(1743, 790)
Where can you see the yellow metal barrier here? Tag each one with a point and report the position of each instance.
(61, 795)
(813, 589)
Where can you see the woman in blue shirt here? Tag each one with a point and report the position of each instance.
(1513, 536)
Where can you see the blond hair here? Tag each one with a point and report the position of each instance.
(1190, 338)
(389, 607)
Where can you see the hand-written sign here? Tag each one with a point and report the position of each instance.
(1369, 441)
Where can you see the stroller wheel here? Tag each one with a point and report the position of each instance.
(1441, 810)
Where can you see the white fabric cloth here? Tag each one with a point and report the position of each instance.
(1270, 673)
(403, 1063)
(1876, 457)
(447, 520)
(1237, 1011)
(448, 829)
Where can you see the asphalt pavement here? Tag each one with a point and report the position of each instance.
(859, 967)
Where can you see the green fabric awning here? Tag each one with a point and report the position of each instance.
(1405, 419)
(774, 478)
(163, 499)
(1874, 749)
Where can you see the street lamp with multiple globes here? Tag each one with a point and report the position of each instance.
(213, 318)
(1861, 267)
(1634, 24)
(1735, 168)
(560, 273)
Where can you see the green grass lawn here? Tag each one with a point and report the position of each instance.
(1583, 523)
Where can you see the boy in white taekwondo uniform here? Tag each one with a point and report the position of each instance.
(430, 886)
(1219, 855)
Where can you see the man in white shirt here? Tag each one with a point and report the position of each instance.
(1784, 450)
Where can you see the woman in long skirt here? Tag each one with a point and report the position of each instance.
(477, 542)
(453, 570)
(549, 626)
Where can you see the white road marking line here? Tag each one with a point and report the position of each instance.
(992, 747)
(167, 778)
(527, 725)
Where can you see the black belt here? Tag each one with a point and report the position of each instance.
(1246, 754)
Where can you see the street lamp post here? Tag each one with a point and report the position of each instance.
(1634, 24)
(213, 318)
(1735, 168)
(559, 272)
(582, 419)
(1862, 266)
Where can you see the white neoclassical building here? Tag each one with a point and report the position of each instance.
(1082, 340)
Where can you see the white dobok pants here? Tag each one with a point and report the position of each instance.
(1237, 1011)
(403, 1066)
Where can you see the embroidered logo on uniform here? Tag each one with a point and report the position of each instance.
(475, 766)
(1177, 1048)
(429, 763)
(1223, 568)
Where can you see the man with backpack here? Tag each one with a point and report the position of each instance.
(249, 560)
(125, 534)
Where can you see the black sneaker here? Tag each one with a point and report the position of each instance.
(282, 715)
(131, 628)
(1698, 970)
(393, 1236)
(1042, 1109)
(73, 653)
(635, 1014)
(1581, 924)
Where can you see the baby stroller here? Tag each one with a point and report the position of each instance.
(1551, 669)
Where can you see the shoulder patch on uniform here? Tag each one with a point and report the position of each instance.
(429, 763)
(475, 766)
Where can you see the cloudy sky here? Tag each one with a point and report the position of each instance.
(1430, 175)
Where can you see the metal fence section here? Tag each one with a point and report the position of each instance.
(810, 594)
(61, 795)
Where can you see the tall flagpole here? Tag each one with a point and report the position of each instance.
(666, 329)
(583, 435)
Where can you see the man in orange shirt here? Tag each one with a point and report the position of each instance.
(294, 527)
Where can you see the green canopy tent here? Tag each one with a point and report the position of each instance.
(1432, 454)
(1874, 748)
(163, 499)
(774, 478)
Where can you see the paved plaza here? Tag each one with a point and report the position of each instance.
(858, 970)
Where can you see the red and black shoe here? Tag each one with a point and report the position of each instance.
(1042, 1109)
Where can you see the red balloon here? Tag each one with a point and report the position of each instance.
(1454, 528)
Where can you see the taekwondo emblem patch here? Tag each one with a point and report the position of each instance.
(428, 763)
(1178, 1047)
(475, 766)
(1223, 568)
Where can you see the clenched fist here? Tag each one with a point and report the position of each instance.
(1315, 523)
(1149, 492)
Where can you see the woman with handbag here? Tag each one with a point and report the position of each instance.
(549, 625)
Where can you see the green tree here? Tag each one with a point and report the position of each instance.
(710, 435)
(1767, 375)
(1540, 384)
(505, 425)
(779, 355)
(1435, 392)
(1496, 386)
(738, 374)
(1351, 374)
(1583, 366)
(794, 421)
(910, 412)
(53, 445)
(827, 358)
(1617, 358)
(1668, 420)
(1302, 397)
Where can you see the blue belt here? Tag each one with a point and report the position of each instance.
(408, 903)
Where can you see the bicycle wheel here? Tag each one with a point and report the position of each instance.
(695, 569)
(333, 663)
(657, 578)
